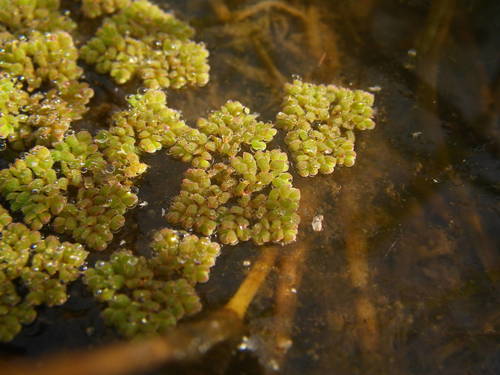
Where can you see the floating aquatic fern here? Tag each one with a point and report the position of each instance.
(145, 42)
(43, 266)
(40, 60)
(22, 16)
(41, 57)
(96, 8)
(220, 198)
(12, 101)
(319, 121)
(146, 296)
(153, 124)
(32, 187)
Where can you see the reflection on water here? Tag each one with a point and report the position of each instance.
(404, 276)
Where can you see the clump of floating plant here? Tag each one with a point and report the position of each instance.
(146, 296)
(12, 99)
(104, 168)
(41, 57)
(41, 60)
(320, 121)
(32, 186)
(151, 121)
(224, 132)
(251, 196)
(36, 184)
(42, 266)
(145, 42)
(22, 16)
(96, 8)
(104, 193)
(96, 213)
(188, 256)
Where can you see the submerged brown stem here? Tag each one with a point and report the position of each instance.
(248, 289)
(266, 5)
(189, 341)
(268, 62)
(221, 10)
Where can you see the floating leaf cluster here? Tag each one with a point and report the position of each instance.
(224, 132)
(151, 121)
(145, 42)
(146, 296)
(251, 196)
(42, 266)
(97, 8)
(41, 57)
(30, 63)
(31, 186)
(37, 185)
(12, 99)
(319, 121)
(22, 16)
(104, 184)
(96, 213)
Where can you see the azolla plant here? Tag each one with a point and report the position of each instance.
(81, 184)
(42, 266)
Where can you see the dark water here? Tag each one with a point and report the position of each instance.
(404, 278)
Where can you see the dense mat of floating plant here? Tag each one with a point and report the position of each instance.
(249, 197)
(143, 41)
(28, 63)
(319, 121)
(96, 8)
(82, 185)
(145, 296)
(42, 266)
(22, 16)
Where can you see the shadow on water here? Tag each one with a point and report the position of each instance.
(404, 278)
